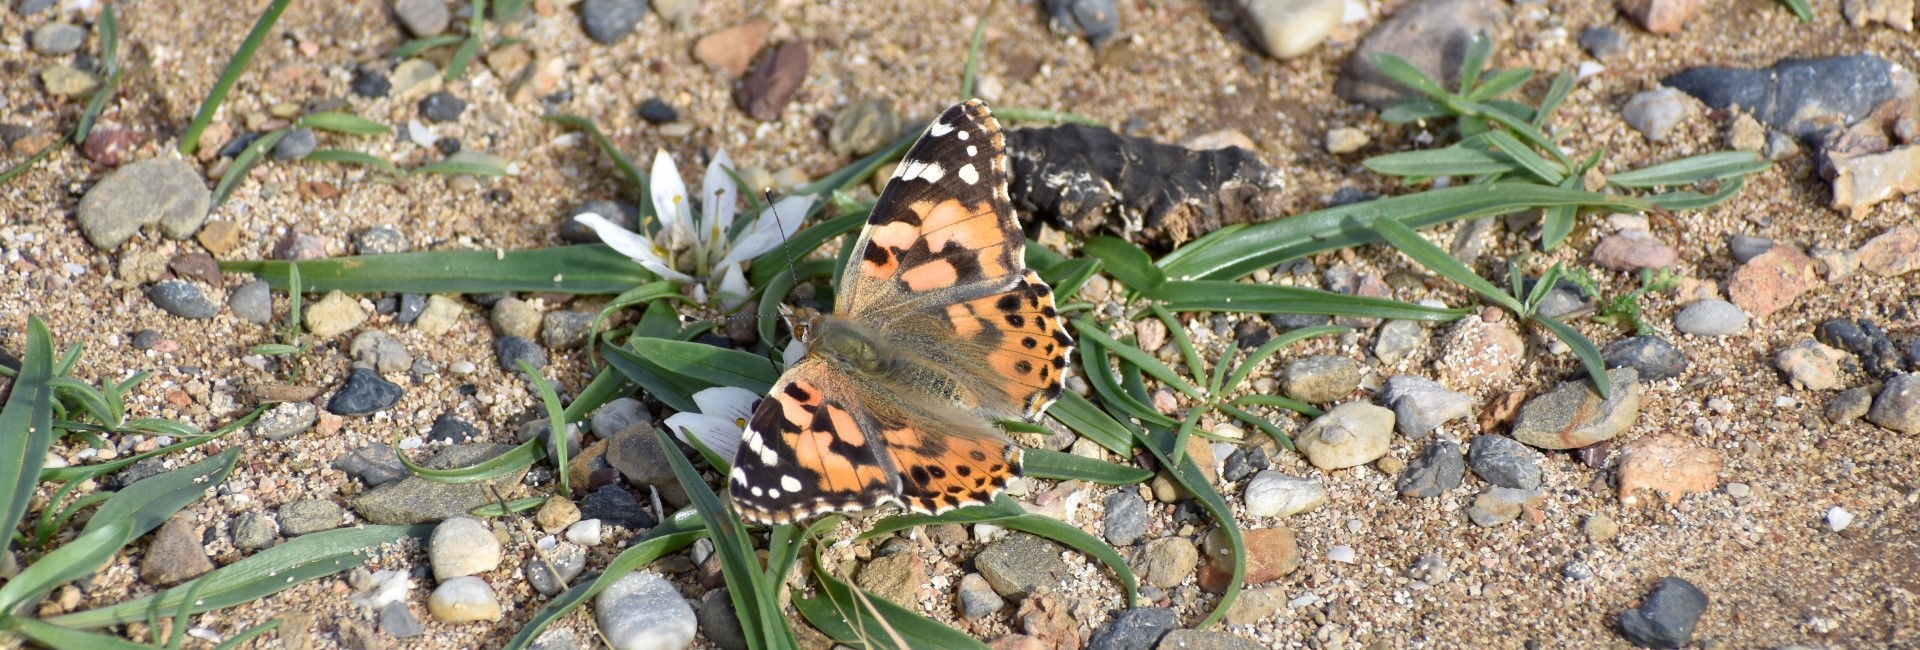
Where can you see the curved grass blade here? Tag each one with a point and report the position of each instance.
(461, 168)
(1584, 350)
(1447, 161)
(800, 244)
(1217, 295)
(1691, 200)
(1092, 333)
(1272, 346)
(556, 423)
(84, 555)
(1060, 466)
(191, 139)
(845, 617)
(607, 384)
(1093, 364)
(1021, 114)
(1068, 276)
(1693, 169)
(627, 168)
(418, 45)
(244, 163)
(522, 456)
(514, 506)
(1188, 476)
(151, 425)
(110, 61)
(298, 560)
(590, 268)
(241, 639)
(26, 427)
(35, 159)
(1412, 245)
(347, 123)
(674, 370)
(1083, 418)
(60, 638)
(1540, 168)
(150, 501)
(752, 590)
(1125, 262)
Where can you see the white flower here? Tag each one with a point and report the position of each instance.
(724, 413)
(702, 249)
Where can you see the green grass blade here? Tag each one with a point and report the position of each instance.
(1278, 435)
(854, 173)
(35, 159)
(82, 556)
(522, 456)
(1187, 475)
(556, 423)
(1398, 69)
(463, 57)
(109, 28)
(1500, 83)
(1583, 349)
(1556, 93)
(418, 45)
(517, 505)
(60, 638)
(26, 426)
(90, 399)
(1125, 262)
(191, 139)
(149, 502)
(347, 123)
(1556, 223)
(152, 425)
(1196, 367)
(753, 592)
(675, 533)
(1540, 168)
(241, 639)
(1082, 417)
(1222, 296)
(1412, 245)
(591, 268)
(1691, 200)
(674, 370)
(1479, 48)
(1091, 332)
(1414, 109)
(1061, 466)
(848, 619)
(1268, 349)
(1231, 253)
(1067, 277)
(1456, 160)
(298, 560)
(1020, 114)
(1800, 9)
(1100, 376)
(607, 385)
(244, 163)
(461, 168)
(1693, 169)
(973, 55)
(638, 178)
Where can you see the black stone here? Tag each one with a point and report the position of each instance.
(658, 111)
(374, 464)
(411, 304)
(1667, 617)
(1251, 333)
(387, 305)
(442, 107)
(447, 146)
(487, 299)
(1803, 97)
(513, 349)
(237, 145)
(146, 339)
(1652, 356)
(1139, 628)
(1878, 355)
(364, 393)
(613, 505)
(1504, 462)
(147, 468)
(448, 428)
(370, 83)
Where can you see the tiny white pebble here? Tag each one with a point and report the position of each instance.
(1343, 554)
(1838, 519)
(462, 368)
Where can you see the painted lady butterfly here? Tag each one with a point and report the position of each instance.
(939, 331)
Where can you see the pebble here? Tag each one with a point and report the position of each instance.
(442, 107)
(1745, 134)
(1399, 339)
(439, 315)
(1242, 463)
(415, 500)
(614, 505)
(1420, 405)
(1097, 20)
(1576, 571)
(1746, 247)
(1139, 628)
(1349, 435)
(539, 428)
(1432, 35)
(252, 302)
(1126, 518)
(63, 80)
(1602, 42)
(678, 13)
(719, 622)
(374, 464)
(1877, 354)
(1320, 378)
(1437, 470)
(1289, 28)
(1669, 465)
(556, 514)
(415, 78)
(285, 420)
(182, 298)
(771, 85)
(641, 461)
(1892, 253)
(1573, 415)
(1799, 96)
(616, 415)
(863, 128)
(252, 531)
(567, 330)
(895, 577)
(608, 21)
(1666, 618)
(1479, 354)
(1498, 505)
(380, 240)
(1342, 553)
(462, 546)
(585, 532)
(1651, 356)
(643, 610)
(147, 339)
(515, 317)
(1809, 365)
(397, 620)
(295, 145)
(656, 111)
(1020, 563)
(58, 38)
(370, 83)
(164, 190)
(1631, 250)
(31, 7)
(1599, 527)
(423, 18)
(333, 315)
(381, 352)
(1655, 113)
(1660, 16)
(513, 349)
(1207, 640)
(1851, 404)
(732, 49)
(1504, 462)
(1711, 318)
(307, 516)
(1346, 140)
(1897, 407)
(364, 393)
(176, 554)
(1272, 494)
(410, 308)
(1771, 281)
(977, 598)
(568, 561)
(465, 599)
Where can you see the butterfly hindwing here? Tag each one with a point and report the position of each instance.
(807, 451)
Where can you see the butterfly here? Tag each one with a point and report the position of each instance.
(939, 332)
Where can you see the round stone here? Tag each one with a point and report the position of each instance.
(465, 599)
(462, 546)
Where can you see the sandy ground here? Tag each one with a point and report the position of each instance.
(1776, 575)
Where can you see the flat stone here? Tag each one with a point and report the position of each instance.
(1651, 356)
(1631, 250)
(977, 598)
(608, 21)
(1138, 628)
(1771, 281)
(644, 611)
(896, 578)
(1498, 505)
(1656, 113)
(1863, 181)
(1809, 365)
(416, 500)
(1289, 28)
(1897, 407)
(1801, 97)
(1437, 470)
(423, 18)
(184, 299)
(1020, 563)
(308, 516)
(1272, 494)
(1711, 318)
(863, 128)
(465, 599)
(1321, 378)
(1421, 405)
(1097, 20)
(285, 420)
(439, 316)
(1667, 617)
(1166, 562)
(1669, 465)
(1207, 640)
(333, 315)
(462, 546)
(1892, 253)
(1126, 519)
(176, 554)
(364, 393)
(166, 191)
(1660, 16)
(771, 85)
(1573, 415)
(1504, 462)
(1348, 435)
(58, 38)
(721, 623)
(732, 50)
(638, 456)
(252, 531)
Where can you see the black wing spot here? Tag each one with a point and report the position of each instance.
(919, 474)
(1059, 362)
(1023, 366)
(1043, 371)
(1008, 302)
(963, 470)
(796, 392)
(978, 456)
(876, 255)
(1016, 320)
(1060, 336)
(1029, 343)
(955, 489)
(937, 472)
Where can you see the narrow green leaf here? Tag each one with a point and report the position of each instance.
(1093, 364)
(1583, 349)
(593, 268)
(1556, 93)
(1693, 169)
(674, 370)
(800, 245)
(973, 55)
(84, 555)
(1021, 114)
(1414, 246)
(514, 506)
(520, 457)
(1068, 276)
(191, 139)
(460, 168)
(1691, 200)
(1520, 154)
(1090, 331)
(1082, 417)
(1457, 160)
(109, 29)
(752, 592)
(150, 501)
(1500, 83)
(1061, 466)
(26, 427)
(1125, 262)
(1267, 349)
(193, 438)
(1479, 48)
(418, 45)
(347, 123)
(457, 66)
(1800, 8)
(1398, 69)
(24, 165)
(244, 163)
(1555, 224)
(849, 619)
(1247, 298)
(1414, 109)
(1187, 475)
(60, 638)
(556, 423)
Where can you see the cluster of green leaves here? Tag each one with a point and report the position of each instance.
(32, 419)
(1623, 310)
(109, 28)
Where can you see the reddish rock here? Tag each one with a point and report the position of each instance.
(732, 49)
(1049, 620)
(1767, 283)
(1668, 465)
(774, 81)
(112, 147)
(1894, 252)
(1632, 250)
(1660, 16)
(1272, 553)
(198, 267)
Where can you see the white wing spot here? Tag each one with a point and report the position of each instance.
(968, 174)
(789, 483)
(773, 494)
(973, 150)
(926, 171)
(758, 492)
(963, 136)
(739, 476)
(940, 129)
(768, 458)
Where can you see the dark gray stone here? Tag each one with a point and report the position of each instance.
(1667, 617)
(1020, 563)
(1602, 42)
(416, 500)
(608, 21)
(1652, 356)
(614, 505)
(370, 83)
(1097, 20)
(1438, 469)
(719, 622)
(364, 393)
(397, 620)
(411, 304)
(296, 144)
(1747, 247)
(182, 298)
(380, 240)
(1126, 519)
(513, 349)
(1504, 462)
(657, 111)
(146, 339)
(1139, 628)
(374, 464)
(442, 107)
(252, 302)
(1803, 97)
(308, 516)
(448, 428)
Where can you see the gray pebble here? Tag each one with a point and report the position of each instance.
(58, 38)
(1399, 339)
(1747, 247)
(285, 420)
(380, 240)
(31, 7)
(616, 415)
(415, 500)
(568, 560)
(1504, 462)
(308, 516)
(977, 598)
(165, 190)
(1897, 407)
(364, 393)
(423, 18)
(1140, 628)
(182, 298)
(1321, 378)
(719, 621)
(411, 304)
(253, 531)
(450, 429)
(1656, 112)
(1421, 405)
(1602, 42)
(1126, 519)
(442, 107)
(252, 302)
(512, 349)
(146, 339)
(657, 111)
(863, 128)
(370, 83)
(643, 610)
(1652, 356)
(538, 428)
(567, 330)
(1851, 404)
(374, 464)
(1020, 563)
(1801, 96)
(1666, 618)
(380, 351)
(614, 505)
(1713, 318)
(295, 145)
(1438, 469)
(397, 620)
(1576, 571)
(1098, 20)
(608, 21)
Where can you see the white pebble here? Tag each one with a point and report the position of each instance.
(585, 532)
(421, 134)
(463, 600)
(462, 368)
(1838, 519)
(462, 546)
(1343, 554)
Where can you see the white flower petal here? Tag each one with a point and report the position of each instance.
(632, 245)
(718, 196)
(700, 293)
(771, 227)
(733, 288)
(730, 402)
(749, 246)
(717, 433)
(669, 192)
(666, 272)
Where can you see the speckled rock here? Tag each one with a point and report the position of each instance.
(1348, 435)
(1573, 415)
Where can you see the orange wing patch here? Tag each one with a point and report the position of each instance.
(942, 472)
(1028, 342)
(806, 451)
